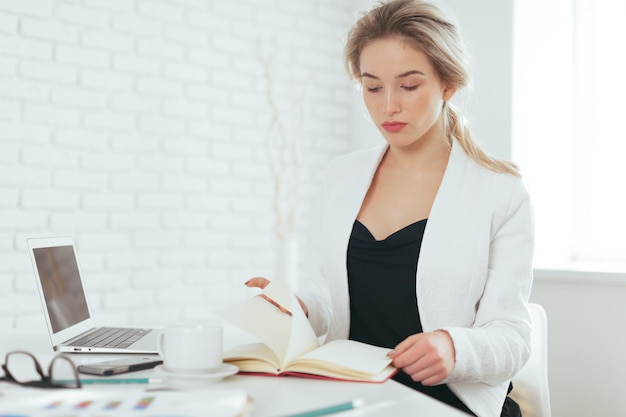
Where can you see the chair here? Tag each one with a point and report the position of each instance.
(530, 385)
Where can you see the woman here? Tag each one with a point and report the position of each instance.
(423, 245)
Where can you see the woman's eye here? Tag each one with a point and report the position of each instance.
(410, 87)
(373, 89)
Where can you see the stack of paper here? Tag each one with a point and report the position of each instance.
(106, 403)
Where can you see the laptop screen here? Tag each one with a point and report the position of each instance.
(62, 286)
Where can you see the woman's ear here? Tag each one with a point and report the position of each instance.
(448, 93)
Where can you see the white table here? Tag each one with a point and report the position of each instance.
(272, 396)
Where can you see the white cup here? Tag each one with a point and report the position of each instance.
(191, 348)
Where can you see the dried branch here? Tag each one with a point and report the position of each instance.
(284, 147)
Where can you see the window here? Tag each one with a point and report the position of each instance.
(569, 138)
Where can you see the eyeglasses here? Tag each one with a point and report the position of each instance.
(21, 367)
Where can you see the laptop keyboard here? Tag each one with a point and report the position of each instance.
(111, 337)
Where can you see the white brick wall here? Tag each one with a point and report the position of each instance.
(138, 127)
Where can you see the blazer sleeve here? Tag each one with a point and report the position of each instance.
(497, 345)
(314, 290)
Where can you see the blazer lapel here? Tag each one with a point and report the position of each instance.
(443, 227)
(347, 202)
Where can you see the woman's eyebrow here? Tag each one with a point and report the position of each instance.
(368, 75)
(404, 74)
(412, 72)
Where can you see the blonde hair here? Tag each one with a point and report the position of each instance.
(427, 29)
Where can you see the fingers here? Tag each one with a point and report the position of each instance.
(275, 304)
(304, 308)
(405, 345)
(429, 370)
(258, 282)
(261, 282)
(426, 357)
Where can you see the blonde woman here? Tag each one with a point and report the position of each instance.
(425, 244)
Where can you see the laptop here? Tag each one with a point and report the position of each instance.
(65, 305)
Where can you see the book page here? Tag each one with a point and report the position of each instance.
(287, 336)
(347, 358)
(303, 338)
(253, 357)
(262, 320)
(279, 291)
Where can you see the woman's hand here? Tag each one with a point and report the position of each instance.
(261, 282)
(426, 357)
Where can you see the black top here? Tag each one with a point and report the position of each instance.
(383, 302)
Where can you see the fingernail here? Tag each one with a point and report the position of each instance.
(246, 283)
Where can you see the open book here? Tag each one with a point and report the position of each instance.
(288, 345)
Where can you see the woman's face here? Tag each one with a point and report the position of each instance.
(401, 91)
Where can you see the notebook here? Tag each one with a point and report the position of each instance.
(70, 323)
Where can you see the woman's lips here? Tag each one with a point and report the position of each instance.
(393, 126)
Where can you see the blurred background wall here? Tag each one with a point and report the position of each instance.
(140, 127)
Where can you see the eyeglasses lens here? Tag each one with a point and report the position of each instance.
(63, 372)
(23, 367)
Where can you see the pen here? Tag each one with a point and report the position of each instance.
(110, 381)
(350, 405)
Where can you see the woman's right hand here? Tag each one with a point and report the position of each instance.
(261, 282)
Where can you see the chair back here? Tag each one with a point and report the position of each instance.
(530, 385)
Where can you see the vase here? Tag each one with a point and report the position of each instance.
(287, 262)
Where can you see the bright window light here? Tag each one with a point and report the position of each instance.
(568, 135)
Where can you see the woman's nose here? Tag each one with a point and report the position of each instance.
(391, 105)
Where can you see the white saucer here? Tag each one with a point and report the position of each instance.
(211, 376)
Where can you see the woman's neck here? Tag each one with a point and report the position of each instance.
(426, 153)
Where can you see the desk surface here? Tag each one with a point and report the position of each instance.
(272, 396)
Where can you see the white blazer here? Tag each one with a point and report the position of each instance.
(474, 272)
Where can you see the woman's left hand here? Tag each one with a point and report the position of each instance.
(426, 357)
